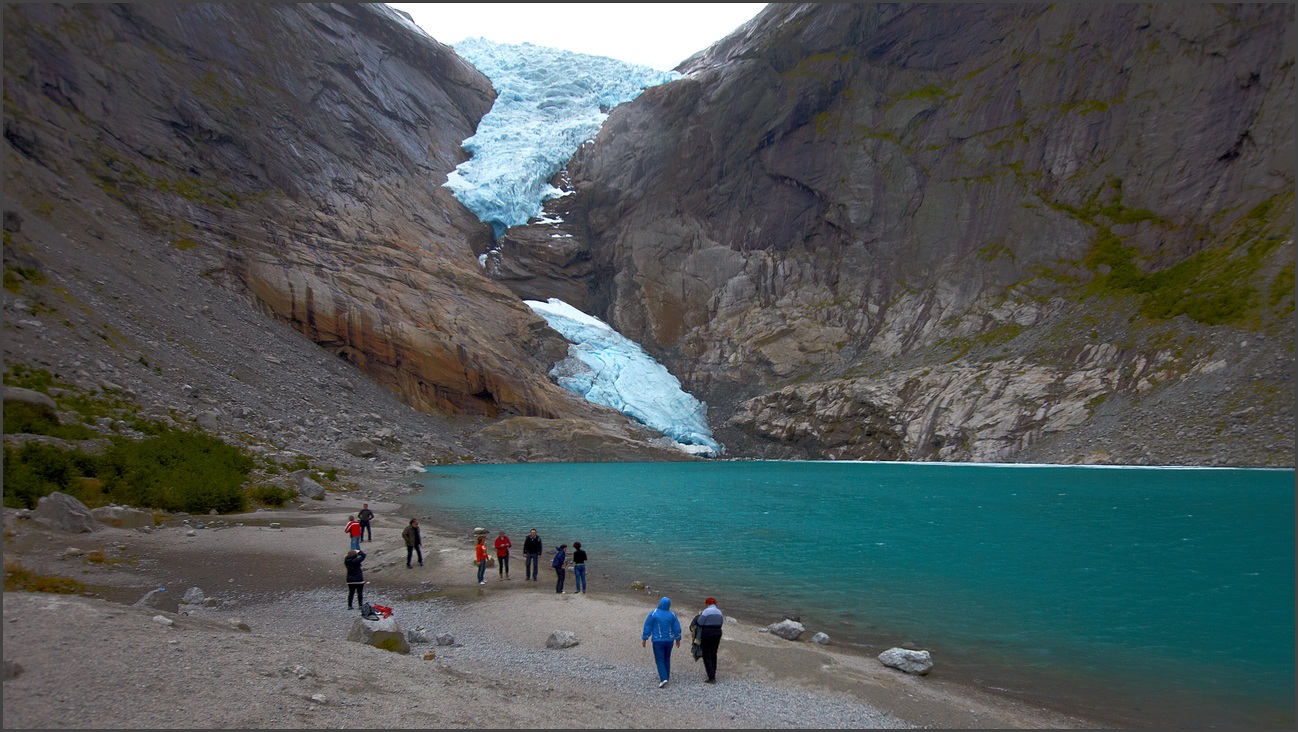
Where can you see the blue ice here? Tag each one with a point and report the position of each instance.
(609, 369)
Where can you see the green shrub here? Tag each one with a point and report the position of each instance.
(37, 470)
(21, 418)
(271, 495)
(177, 471)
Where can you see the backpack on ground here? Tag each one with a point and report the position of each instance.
(367, 612)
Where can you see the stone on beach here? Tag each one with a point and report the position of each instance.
(820, 638)
(561, 639)
(786, 629)
(61, 512)
(383, 633)
(912, 662)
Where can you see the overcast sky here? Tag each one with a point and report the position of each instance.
(657, 35)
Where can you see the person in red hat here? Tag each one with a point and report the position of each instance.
(706, 627)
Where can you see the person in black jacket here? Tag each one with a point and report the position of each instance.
(355, 580)
(706, 627)
(579, 567)
(410, 535)
(365, 517)
(532, 556)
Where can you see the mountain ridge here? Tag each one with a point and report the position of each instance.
(807, 289)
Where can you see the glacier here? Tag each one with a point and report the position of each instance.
(607, 368)
(548, 102)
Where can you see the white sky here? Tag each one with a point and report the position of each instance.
(657, 35)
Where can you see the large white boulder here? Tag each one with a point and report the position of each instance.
(912, 662)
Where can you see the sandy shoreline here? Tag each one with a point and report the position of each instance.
(286, 584)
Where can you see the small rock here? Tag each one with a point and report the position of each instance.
(820, 638)
(638, 586)
(274, 524)
(445, 639)
(12, 669)
(193, 596)
(163, 620)
(318, 698)
(72, 551)
(427, 656)
(561, 639)
(238, 624)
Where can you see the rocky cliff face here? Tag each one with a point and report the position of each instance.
(292, 154)
(957, 232)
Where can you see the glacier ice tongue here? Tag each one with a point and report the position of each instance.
(609, 369)
(548, 102)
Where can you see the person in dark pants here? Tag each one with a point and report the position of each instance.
(560, 559)
(532, 556)
(364, 517)
(502, 556)
(413, 543)
(579, 567)
(355, 579)
(707, 629)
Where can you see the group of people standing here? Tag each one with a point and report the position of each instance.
(359, 527)
(532, 560)
(661, 625)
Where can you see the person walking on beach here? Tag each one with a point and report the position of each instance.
(665, 628)
(706, 627)
(502, 556)
(413, 543)
(353, 530)
(560, 560)
(532, 556)
(355, 578)
(364, 518)
(480, 554)
(579, 567)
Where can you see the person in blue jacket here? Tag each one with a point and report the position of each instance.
(559, 562)
(663, 626)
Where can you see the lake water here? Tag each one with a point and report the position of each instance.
(1147, 595)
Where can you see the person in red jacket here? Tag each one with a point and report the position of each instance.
(502, 556)
(480, 555)
(353, 530)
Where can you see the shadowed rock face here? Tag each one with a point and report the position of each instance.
(294, 154)
(955, 231)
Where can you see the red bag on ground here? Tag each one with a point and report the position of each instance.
(383, 610)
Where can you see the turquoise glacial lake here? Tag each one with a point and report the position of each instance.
(1150, 596)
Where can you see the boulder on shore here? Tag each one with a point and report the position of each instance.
(383, 633)
(61, 512)
(918, 663)
(787, 629)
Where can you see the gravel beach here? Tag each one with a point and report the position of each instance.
(269, 646)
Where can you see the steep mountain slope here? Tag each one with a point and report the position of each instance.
(957, 232)
(291, 155)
